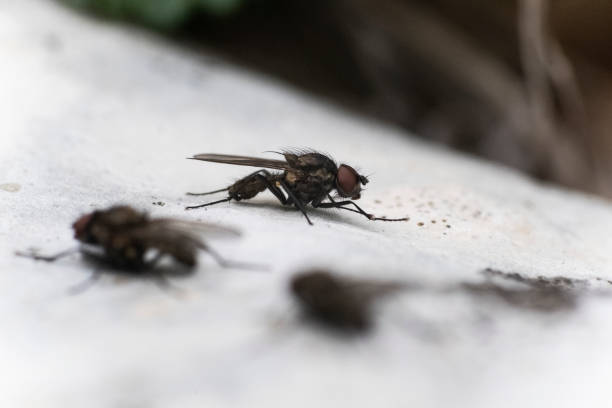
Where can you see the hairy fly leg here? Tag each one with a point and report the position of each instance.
(47, 258)
(341, 205)
(296, 201)
(208, 192)
(193, 207)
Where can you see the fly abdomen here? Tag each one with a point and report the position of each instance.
(248, 187)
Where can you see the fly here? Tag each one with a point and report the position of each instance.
(341, 302)
(124, 237)
(306, 178)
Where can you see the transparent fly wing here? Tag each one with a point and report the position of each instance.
(192, 227)
(242, 161)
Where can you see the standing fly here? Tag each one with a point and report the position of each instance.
(125, 237)
(307, 178)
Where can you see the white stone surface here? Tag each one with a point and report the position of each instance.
(93, 114)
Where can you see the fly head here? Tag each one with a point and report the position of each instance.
(81, 228)
(349, 182)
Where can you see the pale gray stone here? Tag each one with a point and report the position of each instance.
(94, 114)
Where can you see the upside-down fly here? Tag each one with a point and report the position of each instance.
(306, 178)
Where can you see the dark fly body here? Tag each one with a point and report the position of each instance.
(125, 237)
(340, 302)
(300, 179)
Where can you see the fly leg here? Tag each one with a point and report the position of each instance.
(268, 181)
(160, 279)
(224, 263)
(193, 207)
(209, 192)
(341, 205)
(47, 258)
(164, 284)
(86, 284)
(79, 287)
(298, 203)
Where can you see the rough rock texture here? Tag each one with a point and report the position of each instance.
(95, 114)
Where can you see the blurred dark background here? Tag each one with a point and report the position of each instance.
(527, 83)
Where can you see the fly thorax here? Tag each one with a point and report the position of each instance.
(291, 177)
(324, 175)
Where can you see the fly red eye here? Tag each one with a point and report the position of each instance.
(80, 226)
(347, 181)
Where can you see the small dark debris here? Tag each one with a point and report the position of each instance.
(377, 201)
(433, 221)
(448, 226)
(420, 224)
(159, 203)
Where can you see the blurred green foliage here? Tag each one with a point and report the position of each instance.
(160, 14)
